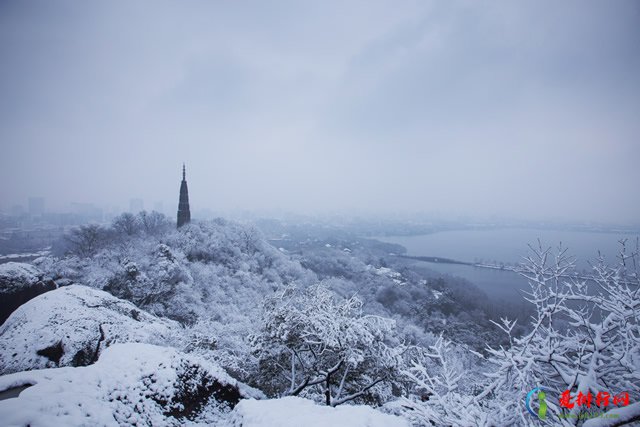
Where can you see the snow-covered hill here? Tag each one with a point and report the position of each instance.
(146, 385)
(131, 384)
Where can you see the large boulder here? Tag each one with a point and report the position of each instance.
(19, 283)
(131, 384)
(70, 326)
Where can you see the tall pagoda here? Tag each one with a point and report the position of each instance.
(184, 214)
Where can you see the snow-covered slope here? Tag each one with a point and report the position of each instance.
(131, 384)
(70, 326)
(18, 284)
(296, 412)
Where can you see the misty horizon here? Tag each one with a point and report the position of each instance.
(513, 110)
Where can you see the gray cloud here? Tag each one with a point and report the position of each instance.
(526, 109)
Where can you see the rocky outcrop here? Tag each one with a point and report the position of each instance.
(20, 283)
(71, 326)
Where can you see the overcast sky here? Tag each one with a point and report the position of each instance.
(522, 109)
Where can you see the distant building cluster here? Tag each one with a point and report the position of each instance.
(35, 227)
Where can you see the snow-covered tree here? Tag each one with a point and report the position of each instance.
(583, 346)
(441, 392)
(585, 336)
(317, 344)
(154, 223)
(84, 241)
(127, 224)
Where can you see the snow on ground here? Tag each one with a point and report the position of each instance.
(395, 276)
(70, 326)
(24, 255)
(131, 384)
(146, 385)
(15, 275)
(296, 412)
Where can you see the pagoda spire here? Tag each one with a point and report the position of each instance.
(184, 214)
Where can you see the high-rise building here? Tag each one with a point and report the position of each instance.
(184, 214)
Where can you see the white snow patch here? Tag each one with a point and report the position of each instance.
(25, 255)
(80, 318)
(296, 412)
(385, 271)
(131, 384)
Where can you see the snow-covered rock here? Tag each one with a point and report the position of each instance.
(15, 275)
(131, 384)
(296, 411)
(19, 283)
(70, 326)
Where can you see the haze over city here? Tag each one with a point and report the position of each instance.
(526, 110)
